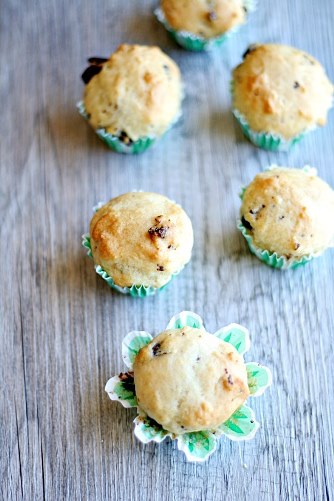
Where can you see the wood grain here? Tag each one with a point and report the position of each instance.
(61, 327)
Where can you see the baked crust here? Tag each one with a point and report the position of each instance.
(141, 239)
(189, 380)
(137, 92)
(281, 90)
(290, 212)
(204, 18)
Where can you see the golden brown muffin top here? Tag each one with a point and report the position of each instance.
(289, 211)
(281, 90)
(137, 92)
(141, 239)
(189, 380)
(205, 18)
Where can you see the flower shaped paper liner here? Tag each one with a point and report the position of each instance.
(197, 446)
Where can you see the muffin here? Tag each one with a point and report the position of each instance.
(198, 24)
(287, 216)
(139, 241)
(279, 93)
(190, 385)
(188, 380)
(132, 98)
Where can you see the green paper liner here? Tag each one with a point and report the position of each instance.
(265, 140)
(196, 43)
(135, 290)
(113, 142)
(197, 446)
(272, 258)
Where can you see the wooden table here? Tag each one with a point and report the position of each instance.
(61, 326)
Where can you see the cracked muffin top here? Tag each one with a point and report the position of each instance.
(205, 18)
(189, 380)
(137, 92)
(141, 239)
(281, 90)
(289, 211)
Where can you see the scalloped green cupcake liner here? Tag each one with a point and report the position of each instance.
(135, 290)
(114, 142)
(265, 140)
(196, 43)
(272, 258)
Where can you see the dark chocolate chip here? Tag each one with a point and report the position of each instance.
(90, 72)
(198, 359)
(156, 349)
(158, 231)
(229, 379)
(126, 376)
(127, 380)
(252, 421)
(246, 224)
(97, 60)
(160, 268)
(125, 138)
(296, 85)
(281, 217)
(250, 49)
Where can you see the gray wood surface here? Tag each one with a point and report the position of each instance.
(61, 326)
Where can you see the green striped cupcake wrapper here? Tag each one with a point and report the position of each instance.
(113, 142)
(196, 43)
(134, 290)
(272, 258)
(265, 140)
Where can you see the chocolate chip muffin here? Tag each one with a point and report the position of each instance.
(289, 212)
(141, 239)
(189, 380)
(280, 91)
(136, 93)
(201, 24)
(204, 18)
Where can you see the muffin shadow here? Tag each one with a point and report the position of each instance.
(232, 246)
(76, 273)
(143, 28)
(221, 124)
(72, 133)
